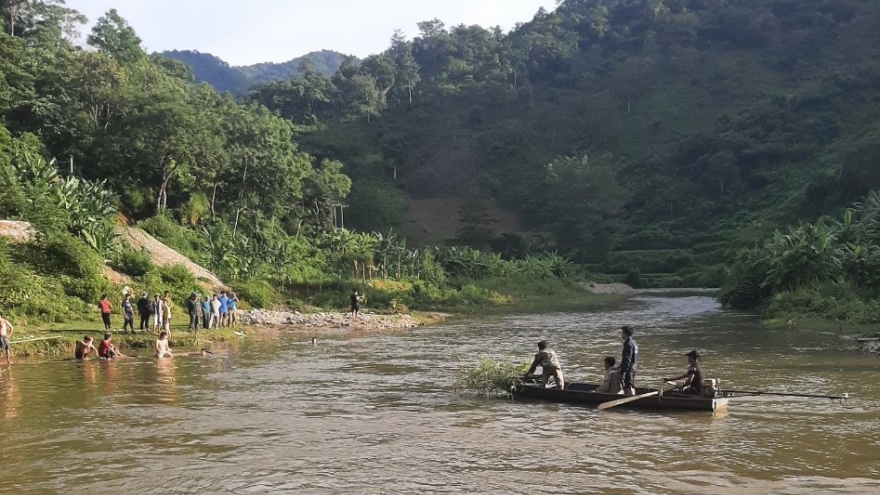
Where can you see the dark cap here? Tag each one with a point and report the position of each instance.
(694, 354)
(543, 344)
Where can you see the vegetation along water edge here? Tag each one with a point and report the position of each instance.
(465, 170)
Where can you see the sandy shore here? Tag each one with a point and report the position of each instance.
(328, 321)
(614, 289)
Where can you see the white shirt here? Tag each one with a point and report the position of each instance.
(611, 384)
(215, 306)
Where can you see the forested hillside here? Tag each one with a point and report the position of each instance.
(637, 135)
(94, 137)
(646, 140)
(221, 76)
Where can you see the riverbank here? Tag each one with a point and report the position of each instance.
(60, 339)
(365, 322)
(860, 338)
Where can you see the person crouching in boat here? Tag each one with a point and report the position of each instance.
(693, 377)
(548, 361)
(613, 382)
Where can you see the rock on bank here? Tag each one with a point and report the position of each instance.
(328, 321)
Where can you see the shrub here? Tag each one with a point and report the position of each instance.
(183, 240)
(258, 293)
(634, 278)
(134, 263)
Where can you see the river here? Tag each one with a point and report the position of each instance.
(378, 414)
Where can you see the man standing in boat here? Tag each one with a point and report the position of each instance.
(629, 361)
(547, 359)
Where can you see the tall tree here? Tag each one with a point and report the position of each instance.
(113, 35)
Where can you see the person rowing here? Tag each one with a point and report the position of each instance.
(547, 359)
(693, 377)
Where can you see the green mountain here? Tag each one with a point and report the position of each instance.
(225, 78)
(649, 137)
(324, 61)
(643, 139)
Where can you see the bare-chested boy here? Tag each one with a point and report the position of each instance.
(6, 330)
(163, 350)
(84, 348)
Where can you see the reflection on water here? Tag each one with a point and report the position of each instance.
(378, 414)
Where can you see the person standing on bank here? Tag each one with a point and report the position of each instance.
(206, 312)
(355, 302)
(629, 360)
(166, 313)
(106, 310)
(127, 314)
(192, 308)
(547, 359)
(156, 310)
(143, 307)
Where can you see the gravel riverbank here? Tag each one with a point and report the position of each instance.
(328, 321)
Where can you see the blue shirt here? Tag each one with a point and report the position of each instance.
(223, 302)
(231, 304)
(206, 306)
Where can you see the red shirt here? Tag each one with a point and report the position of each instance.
(105, 306)
(103, 347)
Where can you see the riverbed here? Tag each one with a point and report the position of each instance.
(379, 414)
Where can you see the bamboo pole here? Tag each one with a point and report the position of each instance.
(35, 340)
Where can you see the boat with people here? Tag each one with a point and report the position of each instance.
(584, 394)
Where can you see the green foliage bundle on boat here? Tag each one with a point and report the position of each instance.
(491, 376)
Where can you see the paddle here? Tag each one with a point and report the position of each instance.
(615, 403)
(780, 394)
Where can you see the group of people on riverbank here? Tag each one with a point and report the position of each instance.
(206, 312)
(618, 379)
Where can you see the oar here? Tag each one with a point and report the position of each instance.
(781, 394)
(618, 402)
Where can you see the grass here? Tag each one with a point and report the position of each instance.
(491, 377)
(539, 296)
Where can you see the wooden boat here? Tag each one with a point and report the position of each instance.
(582, 394)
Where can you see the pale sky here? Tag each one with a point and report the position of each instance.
(244, 32)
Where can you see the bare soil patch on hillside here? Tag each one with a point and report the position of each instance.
(435, 220)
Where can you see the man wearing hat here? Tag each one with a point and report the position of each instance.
(693, 377)
(547, 359)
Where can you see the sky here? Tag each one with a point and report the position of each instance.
(245, 32)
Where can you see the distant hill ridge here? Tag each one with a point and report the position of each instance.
(223, 77)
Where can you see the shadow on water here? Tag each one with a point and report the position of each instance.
(379, 414)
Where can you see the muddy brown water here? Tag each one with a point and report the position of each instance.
(378, 414)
